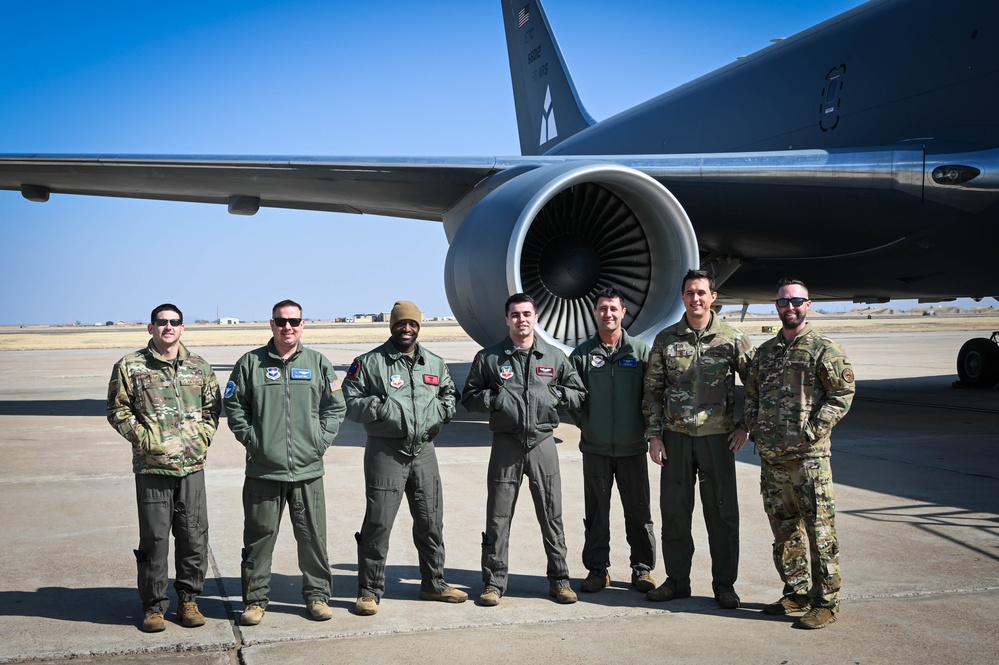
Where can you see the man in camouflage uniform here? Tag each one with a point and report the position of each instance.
(612, 440)
(521, 382)
(689, 404)
(403, 395)
(799, 386)
(165, 401)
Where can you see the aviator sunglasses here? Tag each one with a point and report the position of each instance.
(280, 322)
(173, 322)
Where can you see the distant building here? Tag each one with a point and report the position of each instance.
(368, 318)
(228, 321)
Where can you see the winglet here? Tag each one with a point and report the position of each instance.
(548, 107)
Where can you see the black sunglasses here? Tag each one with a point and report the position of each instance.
(172, 322)
(280, 322)
(797, 302)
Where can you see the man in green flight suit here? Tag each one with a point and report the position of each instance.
(612, 439)
(403, 395)
(284, 404)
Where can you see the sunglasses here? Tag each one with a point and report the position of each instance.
(173, 322)
(797, 302)
(280, 322)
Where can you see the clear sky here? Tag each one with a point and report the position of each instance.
(321, 78)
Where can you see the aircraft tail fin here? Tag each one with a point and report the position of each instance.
(548, 107)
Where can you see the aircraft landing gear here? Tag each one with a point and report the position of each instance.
(978, 362)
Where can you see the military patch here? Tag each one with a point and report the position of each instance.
(431, 379)
(848, 375)
(300, 373)
(355, 367)
(273, 373)
(628, 362)
(541, 370)
(597, 361)
(334, 385)
(506, 371)
(396, 381)
(230, 388)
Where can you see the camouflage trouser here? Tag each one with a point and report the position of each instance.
(798, 498)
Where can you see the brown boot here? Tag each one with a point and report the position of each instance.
(189, 614)
(595, 582)
(153, 622)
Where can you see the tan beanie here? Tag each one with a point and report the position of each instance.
(405, 311)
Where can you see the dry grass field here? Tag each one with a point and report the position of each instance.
(134, 336)
(322, 332)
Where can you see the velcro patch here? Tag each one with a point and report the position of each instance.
(431, 379)
(355, 367)
(301, 373)
(545, 371)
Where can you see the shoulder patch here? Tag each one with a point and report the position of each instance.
(355, 367)
(334, 385)
(847, 375)
(230, 388)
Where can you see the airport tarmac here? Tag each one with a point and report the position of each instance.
(916, 465)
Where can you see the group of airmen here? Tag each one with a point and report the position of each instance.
(674, 401)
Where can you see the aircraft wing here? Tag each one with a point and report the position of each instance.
(422, 187)
(414, 188)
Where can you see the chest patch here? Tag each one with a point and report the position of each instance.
(298, 373)
(273, 373)
(396, 381)
(628, 362)
(506, 371)
(597, 361)
(431, 379)
(541, 370)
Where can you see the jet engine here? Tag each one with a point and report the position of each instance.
(561, 233)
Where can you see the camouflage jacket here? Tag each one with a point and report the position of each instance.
(690, 381)
(610, 420)
(522, 392)
(168, 410)
(404, 401)
(795, 393)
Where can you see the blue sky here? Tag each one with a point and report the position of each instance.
(296, 78)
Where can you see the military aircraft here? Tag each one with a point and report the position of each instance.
(861, 156)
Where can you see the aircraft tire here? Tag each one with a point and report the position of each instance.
(978, 363)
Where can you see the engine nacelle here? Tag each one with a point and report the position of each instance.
(561, 233)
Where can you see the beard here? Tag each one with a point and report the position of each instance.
(791, 318)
